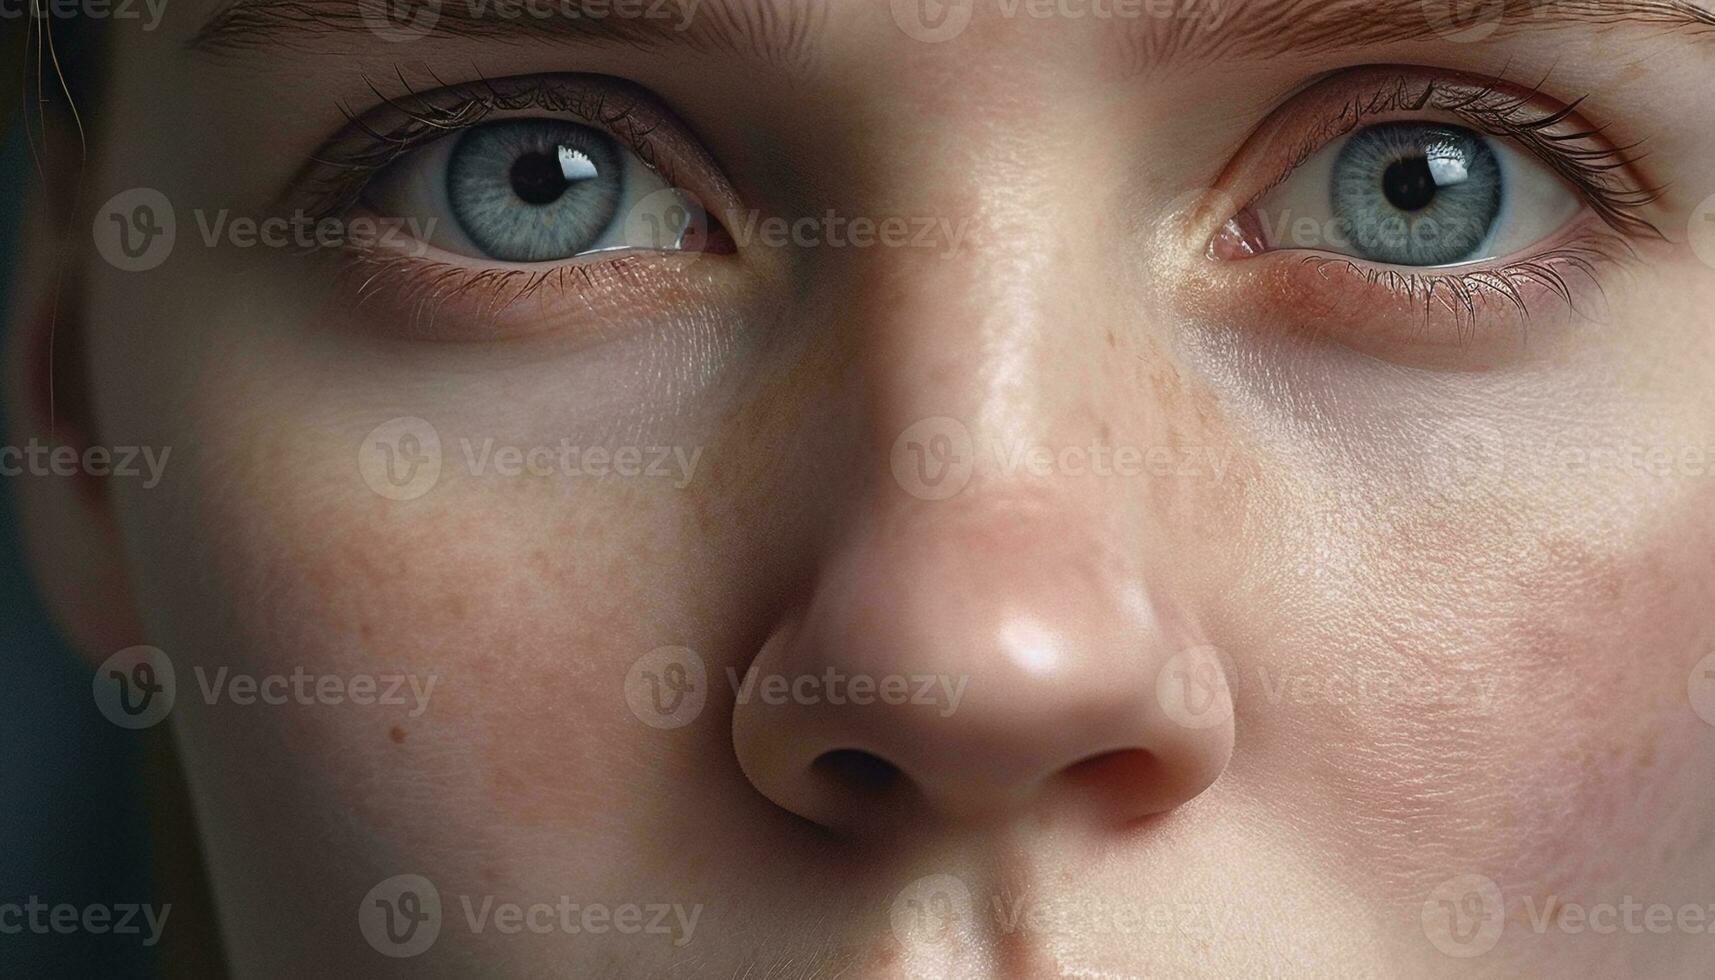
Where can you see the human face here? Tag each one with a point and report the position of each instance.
(913, 489)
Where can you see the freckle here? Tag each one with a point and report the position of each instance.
(397, 734)
(1111, 341)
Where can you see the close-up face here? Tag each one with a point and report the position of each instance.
(929, 488)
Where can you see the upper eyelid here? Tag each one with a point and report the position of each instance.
(334, 178)
(1604, 174)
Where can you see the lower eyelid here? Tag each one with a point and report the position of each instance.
(1464, 316)
(412, 291)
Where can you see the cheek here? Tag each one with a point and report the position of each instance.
(522, 601)
(1476, 658)
(1497, 685)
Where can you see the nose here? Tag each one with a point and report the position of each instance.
(979, 663)
(981, 637)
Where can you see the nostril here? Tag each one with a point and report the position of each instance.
(1120, 765)
(858, 771)
(1115, 776)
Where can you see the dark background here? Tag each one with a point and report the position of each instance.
(72, 819)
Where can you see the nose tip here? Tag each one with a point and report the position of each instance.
(972, 673)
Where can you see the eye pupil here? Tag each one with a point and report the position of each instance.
(1409, 184)
(537, 179)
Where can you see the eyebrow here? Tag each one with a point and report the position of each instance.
(776, 32)
(783, 33)
(1261, 30)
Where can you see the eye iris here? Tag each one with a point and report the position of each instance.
(1409, 185)
(1417, 194)
(535, 190)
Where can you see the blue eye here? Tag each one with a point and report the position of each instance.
(1417, 194)
(532, 190)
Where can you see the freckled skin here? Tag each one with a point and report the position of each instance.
(1446, 651)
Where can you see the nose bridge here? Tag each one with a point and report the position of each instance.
(1031, 398)
(974, 334)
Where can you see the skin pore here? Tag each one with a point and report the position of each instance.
(1273, 603)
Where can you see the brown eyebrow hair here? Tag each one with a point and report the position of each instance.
(783, 33)
(776, 32)
(1257, 30)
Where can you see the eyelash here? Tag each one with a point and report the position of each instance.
(1601, 175)
(335, 181)
(341, 171)
(1491, 110)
